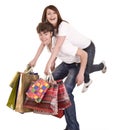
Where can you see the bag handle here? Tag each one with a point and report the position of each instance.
(49, 77)
(28, 69)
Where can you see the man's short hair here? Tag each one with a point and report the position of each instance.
(45, 27)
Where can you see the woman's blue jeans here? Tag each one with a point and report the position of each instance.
(69, 72)
(90, 68)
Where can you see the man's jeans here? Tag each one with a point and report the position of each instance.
(69, 71)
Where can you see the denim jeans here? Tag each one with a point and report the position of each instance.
(69, 72)
(90, 68)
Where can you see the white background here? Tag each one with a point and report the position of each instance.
(19, 42)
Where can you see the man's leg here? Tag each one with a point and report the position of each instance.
(70, 112)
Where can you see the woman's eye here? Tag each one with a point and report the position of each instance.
(49, 14)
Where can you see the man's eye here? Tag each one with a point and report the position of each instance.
(45, 33)
(40, 35)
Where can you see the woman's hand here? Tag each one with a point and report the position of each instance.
(79, 79)
(52, 66)
(47, 70)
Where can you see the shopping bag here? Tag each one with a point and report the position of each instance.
(11, 103)
(63, 98)
(59, 114)
(26, 79)
(15, 80)
(48, 104)
(37, 90)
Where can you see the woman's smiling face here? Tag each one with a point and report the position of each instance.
(51, 17)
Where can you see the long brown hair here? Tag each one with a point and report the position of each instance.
(52, 7)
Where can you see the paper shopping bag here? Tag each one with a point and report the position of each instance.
(37, 90)
(48, 104)
(63, 99)
(11, 103)
(26, 79)
(15, 80)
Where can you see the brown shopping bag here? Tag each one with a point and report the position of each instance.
(26, 79)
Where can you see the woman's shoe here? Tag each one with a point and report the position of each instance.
(104, 68)
(86, 86)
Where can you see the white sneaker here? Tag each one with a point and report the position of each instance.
(105, 68)
(86, 86)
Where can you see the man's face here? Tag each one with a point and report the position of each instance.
(45, 37)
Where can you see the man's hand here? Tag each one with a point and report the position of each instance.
(32, 63)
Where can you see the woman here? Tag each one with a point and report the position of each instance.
(67, 35)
